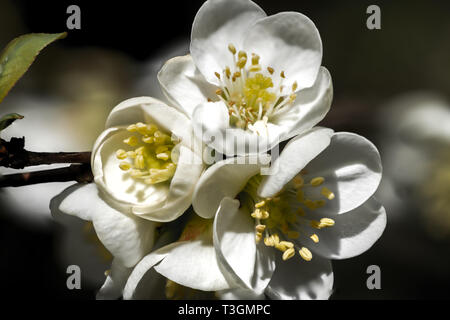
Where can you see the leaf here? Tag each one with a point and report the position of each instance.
(18, 56)
(6, 120)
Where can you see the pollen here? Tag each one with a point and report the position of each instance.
(252, 93)
(305, 254)
(150, 160)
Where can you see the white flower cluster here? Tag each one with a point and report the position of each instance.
(251, 81)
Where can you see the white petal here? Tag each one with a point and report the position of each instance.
(127, 237)
(353, 233)
(351, 166)
(211, 125)
(310, 106)
(136, 278)
(289, 42)
(115, 281)
(234, 240)
(217, 24)
(295, 156)
(129, 111)
(301, 280)
(194, 264)
(122, 190)
(184, 85)
(226, 178)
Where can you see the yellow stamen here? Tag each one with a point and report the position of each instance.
(317, 181)
(289, 253)
(305, 254)
(315, 238)
(327, 193)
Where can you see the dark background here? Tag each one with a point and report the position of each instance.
(410, 52)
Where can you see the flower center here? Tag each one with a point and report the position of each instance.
(250, 93)
(284, 217)
(151, 159)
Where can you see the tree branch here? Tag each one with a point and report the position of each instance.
(76, 172)
(14, 155)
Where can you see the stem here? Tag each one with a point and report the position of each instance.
(76, 172)
(13, 155)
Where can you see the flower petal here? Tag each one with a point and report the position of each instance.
(351, 166)
(194, 264)
(127, 237)
(289, 42)
(295, 156)
(241, 257)
(115, 281)
(211, 125)
(301, 280)
(353, 233)
(217, 24)
(184, 85)
(225, 178)
(310, 107)
(136, 278)
(182, 186)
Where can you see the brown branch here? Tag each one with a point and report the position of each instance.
(14, 155)
(75, 172)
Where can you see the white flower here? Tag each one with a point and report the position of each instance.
(251, 80)
(317, 206)
(145, 165)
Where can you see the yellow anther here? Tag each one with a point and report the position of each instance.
(314, 238)
(142, 128)
(289, 253)
(294, 86)
(161, 149)
(326, 222)
(139, 162)
(260, 228)
(232, 48)
(293, 234)
(260, 204)
(241, 62)
(276, 238)
(292, 97)
(255, 59)
(256, 214)
(242, 54)
(163, 156)
(121, 154)
(139, 150)
(317, 181)
(298, 182)
(305, 254)
(315, 224)
(327, 193)
(125, 166)
(137, 173)
(264, 214)
(148, 139)
(217, 75)
(280, 247)
(271, 70)
(255, 68)
(132, 128)
(287, 244)
(219, 92)
(258, 237)
(268, 241)
(132, 141)
(237, 74)
(131, 154)
(228, 72)
(282, 74)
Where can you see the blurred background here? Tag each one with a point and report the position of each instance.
(390, 85)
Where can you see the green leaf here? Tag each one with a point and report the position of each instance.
(6, 120)
(18, 56)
